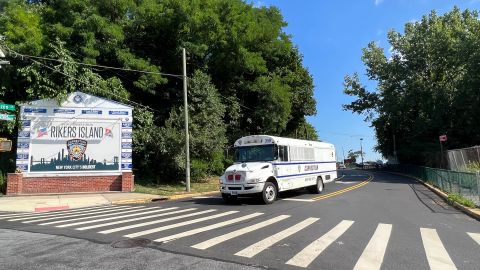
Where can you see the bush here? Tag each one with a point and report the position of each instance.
(199, 170)
(472, 167)
(3, 183)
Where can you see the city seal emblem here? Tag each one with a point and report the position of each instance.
(76, 148)
(77, 99)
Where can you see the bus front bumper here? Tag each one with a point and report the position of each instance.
(243, 189)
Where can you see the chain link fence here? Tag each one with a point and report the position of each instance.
(467, 184)
(464, 160)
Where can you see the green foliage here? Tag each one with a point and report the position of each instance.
(207, 131)
(3, 183)
(245, 74)
(455, 197)
(304, 130)
(354, 155)
(427, 85)
(21, 25)
(7, 164)
(472, 167)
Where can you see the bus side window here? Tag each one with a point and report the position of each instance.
(283, 153)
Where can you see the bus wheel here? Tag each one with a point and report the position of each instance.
(229, 198)
(318, 188)
(269, 193)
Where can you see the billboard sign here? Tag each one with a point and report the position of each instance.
(78, 137)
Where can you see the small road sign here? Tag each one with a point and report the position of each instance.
(7, 117)
(8, 107)
(443, 138)
(5, 145)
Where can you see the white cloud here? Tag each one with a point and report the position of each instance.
(258, 4)
(378, 2)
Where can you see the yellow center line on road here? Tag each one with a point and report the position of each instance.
(338, 192)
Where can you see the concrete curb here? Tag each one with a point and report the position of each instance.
(190, 195)
(472, 212)
(135, 201)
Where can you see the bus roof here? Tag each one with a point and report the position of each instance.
(267, 139)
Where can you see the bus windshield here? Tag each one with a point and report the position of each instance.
(256, 153)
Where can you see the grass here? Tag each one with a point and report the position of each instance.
(455, 197)
(472, 167)
(210, 184)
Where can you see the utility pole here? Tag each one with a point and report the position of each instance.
(361, 150)
(185, 105)
(343, 151)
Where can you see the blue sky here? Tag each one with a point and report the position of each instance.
(330, 35)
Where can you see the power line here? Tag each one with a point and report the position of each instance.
(71, 77)
(91, 65)
(31, 58)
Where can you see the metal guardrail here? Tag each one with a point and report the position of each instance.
(463, 183)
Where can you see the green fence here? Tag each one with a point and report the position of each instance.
(463, 183)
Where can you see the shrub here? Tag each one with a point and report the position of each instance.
(455, 197)
(3, 183)
(472, 167)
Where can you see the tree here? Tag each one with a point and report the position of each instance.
(353, 155)
(207, 133)
(426, 86)
(253, 69)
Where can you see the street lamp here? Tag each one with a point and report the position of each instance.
(361, 150)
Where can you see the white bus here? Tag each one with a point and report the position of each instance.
(267, 165)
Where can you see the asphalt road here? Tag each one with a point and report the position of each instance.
(362, 221)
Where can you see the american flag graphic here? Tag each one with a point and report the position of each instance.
(42, 132)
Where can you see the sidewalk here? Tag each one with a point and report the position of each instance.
(42, 203)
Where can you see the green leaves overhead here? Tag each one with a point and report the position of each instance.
(428, 85)
(246, 76)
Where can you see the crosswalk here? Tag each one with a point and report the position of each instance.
(216, 228)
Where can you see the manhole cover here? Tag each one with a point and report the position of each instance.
(131, 243)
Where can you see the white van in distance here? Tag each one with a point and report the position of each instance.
(267, 165)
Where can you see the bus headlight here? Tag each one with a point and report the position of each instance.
(253, 180)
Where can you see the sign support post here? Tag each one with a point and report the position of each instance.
(185, 105)
(442, 138)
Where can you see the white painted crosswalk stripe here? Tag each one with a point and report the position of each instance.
(137, 225)
(89, 215)
(373, 254)
(437, 255)
(258, 247)
(312, 251)
(96, 215)
(222, 238)
(135, 219)
(176, 225)
(34, 214)
(114, 219)
(475, 236)
(86, 212)
(56, 213)
(151, 210)
(206, 228)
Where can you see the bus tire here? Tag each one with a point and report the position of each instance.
(318, 188)
(269, 193)
(229, 198)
